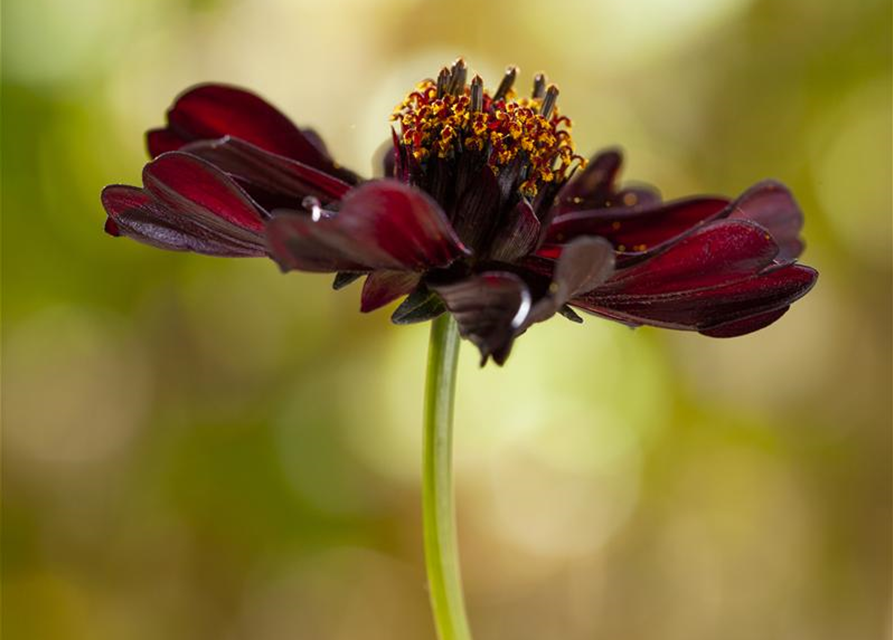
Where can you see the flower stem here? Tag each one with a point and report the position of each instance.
(439, 514)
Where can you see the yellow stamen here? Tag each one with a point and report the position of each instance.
(502, 127)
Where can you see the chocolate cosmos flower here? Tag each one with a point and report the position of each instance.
(486, 213)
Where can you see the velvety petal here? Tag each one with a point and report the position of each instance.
(137, 214)
(382, 224)
(392, 157)
(212, 111)
(489, 308)
(518, 235)
(382, 287)
(746, 325)
(198, 189)
(638, 228)
(476, 213)
(584, 264)
(637, 196)
(771, 205)
(440, 182)
(723, 310)
(720, 274)
(160, 141)
(594, 185)
(543, 205)
(400, 168)
(715, 254)
(316, 140)
(267, 171)
(640, 231)
(111, 228)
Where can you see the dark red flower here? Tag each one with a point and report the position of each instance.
(486, 213)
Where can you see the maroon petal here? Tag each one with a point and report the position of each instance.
(742, 326)
(382, 224)
(316, 140)
(518, 236)
(489, 308)
(197, 188)
(640, 231)
(724, 310)
(111, 228)
(715, 254)
(397, 166)
(596, 187)
(392, 156)
(719, 274)
(475, 215)
(584, 264)
(273, 174)
(137, 214)
(771, 205)
(637, 196)
(161, 141)
(635, 229)
(212, 111)
(593, 186)
(382, 287)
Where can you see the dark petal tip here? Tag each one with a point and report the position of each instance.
(743, 326)
(771, 205)
(137, 214)
(111, 228)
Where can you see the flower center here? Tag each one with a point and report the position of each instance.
(447, 117)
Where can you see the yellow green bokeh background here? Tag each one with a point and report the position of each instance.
(205, 449)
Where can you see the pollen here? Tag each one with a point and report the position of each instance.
(446, 118)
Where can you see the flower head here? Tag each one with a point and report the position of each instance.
(486, 213)
(448, 119)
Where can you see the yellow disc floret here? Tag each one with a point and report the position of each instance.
(445, 118)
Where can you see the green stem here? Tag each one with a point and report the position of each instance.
(439, 514)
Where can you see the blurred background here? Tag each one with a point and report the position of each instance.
(204, 449)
